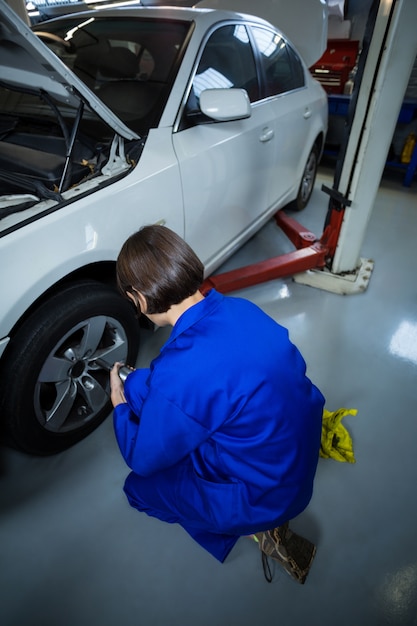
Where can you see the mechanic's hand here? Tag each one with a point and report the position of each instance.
(117, 394)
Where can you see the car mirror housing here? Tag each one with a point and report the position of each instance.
(225, 105)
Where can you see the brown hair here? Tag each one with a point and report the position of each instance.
(160, 265)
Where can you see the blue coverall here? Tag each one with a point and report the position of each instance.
(222, 432)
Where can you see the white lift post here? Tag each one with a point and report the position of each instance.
(391, 55)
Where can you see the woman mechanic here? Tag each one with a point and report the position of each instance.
(222, 432)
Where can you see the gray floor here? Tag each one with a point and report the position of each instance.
(74, 554)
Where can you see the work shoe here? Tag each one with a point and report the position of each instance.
(292, 551)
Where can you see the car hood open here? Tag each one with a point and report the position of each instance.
(304, 22)
(26, 62)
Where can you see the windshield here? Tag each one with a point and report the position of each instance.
(128, 62)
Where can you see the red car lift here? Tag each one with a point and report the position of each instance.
(310, 253)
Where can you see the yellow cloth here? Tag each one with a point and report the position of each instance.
(336, 443)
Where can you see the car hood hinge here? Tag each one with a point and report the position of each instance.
(117, 160)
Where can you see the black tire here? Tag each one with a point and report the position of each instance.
(307, 182)
(52, 393)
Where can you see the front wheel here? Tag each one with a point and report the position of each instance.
(307, 182)
(53, 393)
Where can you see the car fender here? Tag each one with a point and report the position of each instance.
(89, 230)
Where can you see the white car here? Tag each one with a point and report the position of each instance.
(204, 120)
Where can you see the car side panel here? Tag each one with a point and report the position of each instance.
(295, 135)
(90, 230)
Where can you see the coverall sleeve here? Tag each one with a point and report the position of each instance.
(126, 415)
(159, 437)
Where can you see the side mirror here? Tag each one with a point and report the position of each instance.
(225, 105)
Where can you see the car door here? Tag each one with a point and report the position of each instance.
(284, 86)
(225, 166)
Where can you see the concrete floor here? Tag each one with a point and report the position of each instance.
(72, 552)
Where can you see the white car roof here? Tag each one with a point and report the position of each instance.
(303, 22)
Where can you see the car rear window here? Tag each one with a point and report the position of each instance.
(282, 68)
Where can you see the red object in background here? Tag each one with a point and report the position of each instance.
(333, 68)
(310, 254)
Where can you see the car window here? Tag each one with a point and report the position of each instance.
(116, 48)
(282, 68)
(139, 55)
(227, 61)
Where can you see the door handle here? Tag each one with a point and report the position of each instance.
(307, 113)
(267, 134)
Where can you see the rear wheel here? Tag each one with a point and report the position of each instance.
(307, 182)
(53, 393)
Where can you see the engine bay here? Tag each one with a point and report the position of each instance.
(47, 149)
